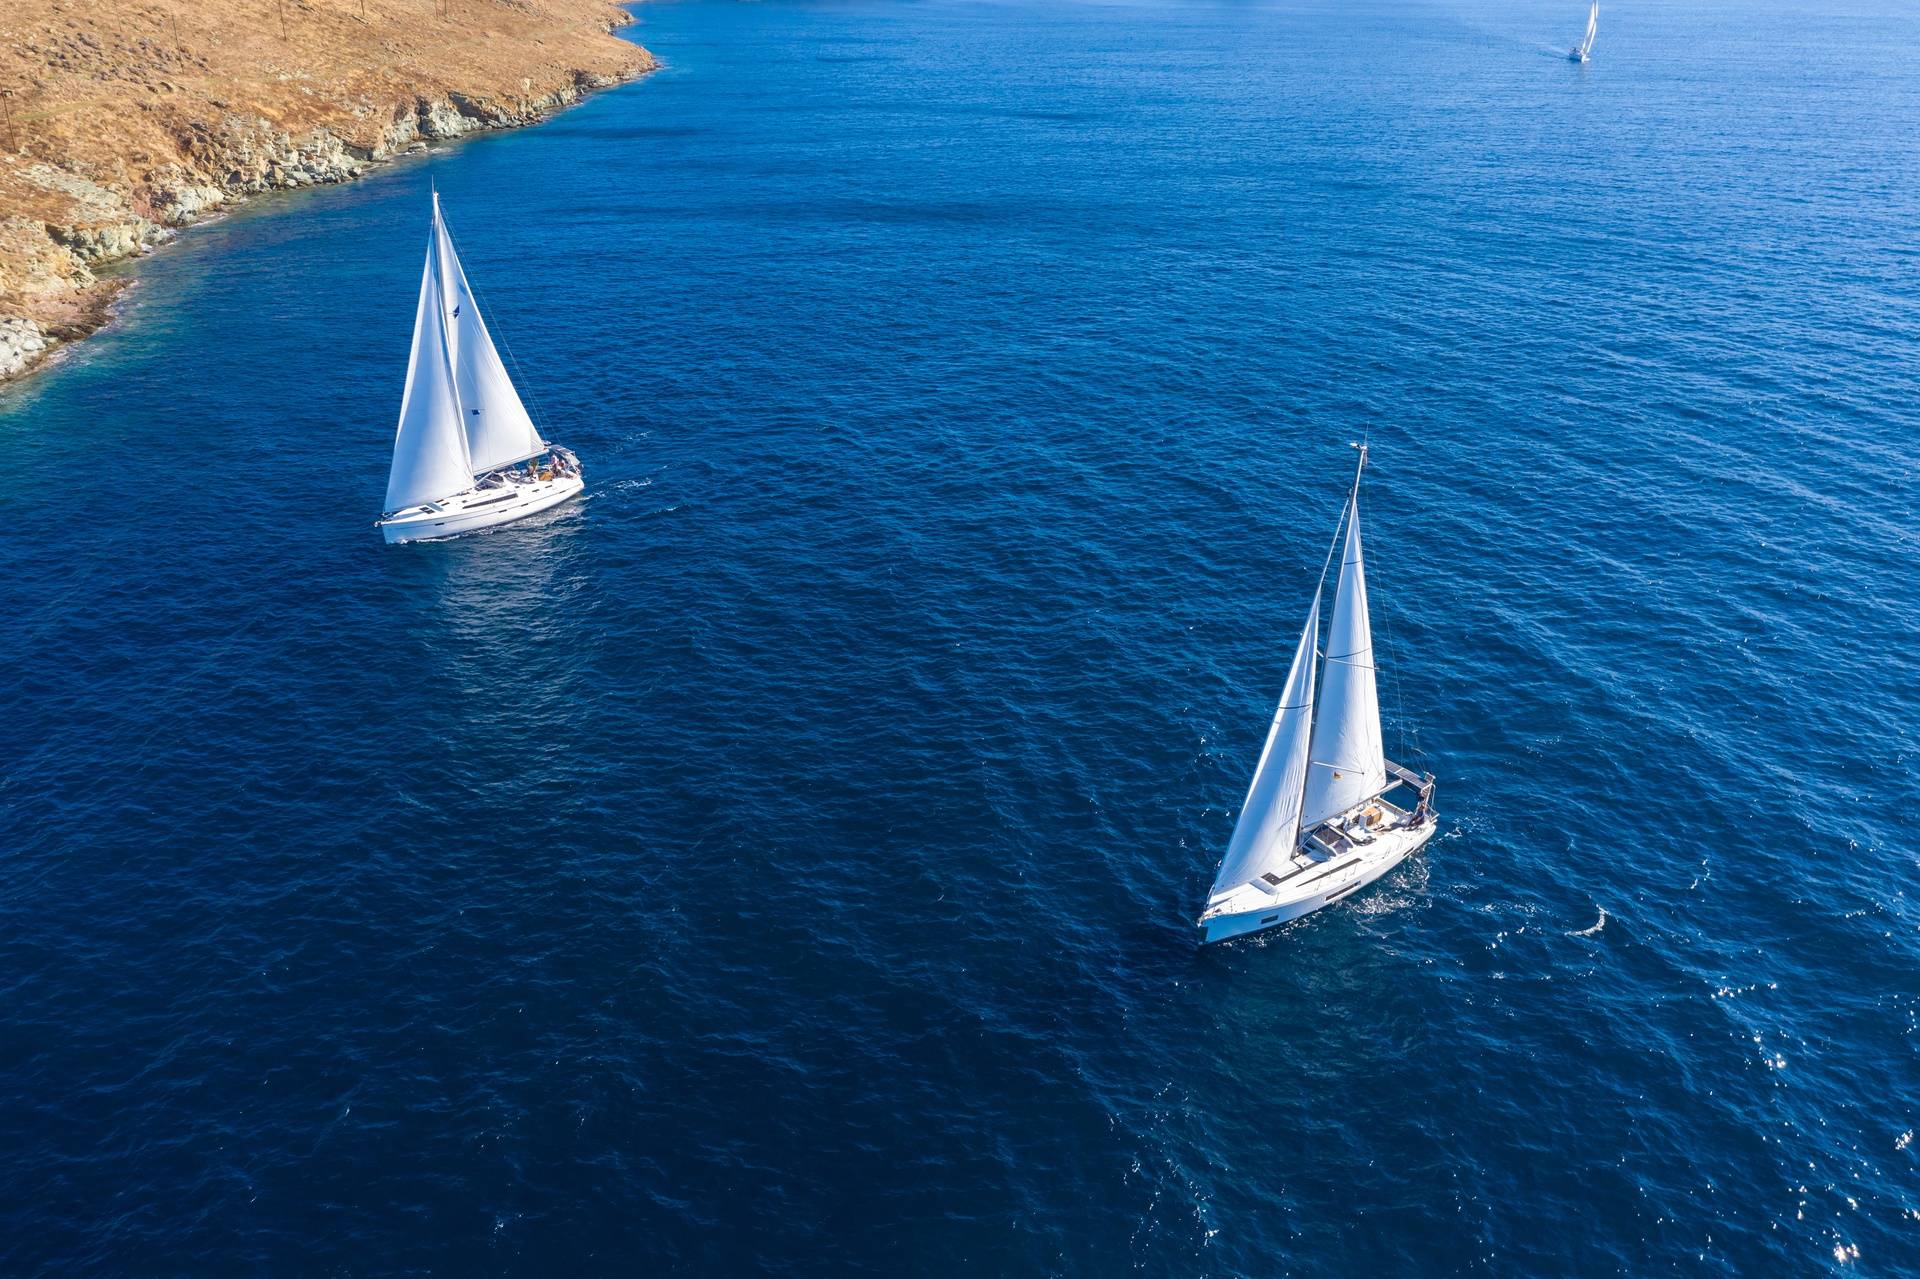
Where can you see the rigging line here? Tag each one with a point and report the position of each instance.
(1393, 674)
(1339, 529)
(1410, 735)
(1346, 514)
(1320, 588)
(1393, 649)
(520, 383)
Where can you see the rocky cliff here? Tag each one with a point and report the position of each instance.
(121, 123)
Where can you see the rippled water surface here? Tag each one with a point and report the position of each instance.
(785, 859)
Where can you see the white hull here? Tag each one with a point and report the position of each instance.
(1318, 876)
(479, 508)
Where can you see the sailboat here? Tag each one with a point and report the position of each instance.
(1317, 825)
(466, 455)
(1580, 51)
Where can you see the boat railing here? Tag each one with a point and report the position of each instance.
(1401, 772)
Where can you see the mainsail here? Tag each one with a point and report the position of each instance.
(1269, 825)
(1346, 763)
(1593, 23)
(430, 458)
(499, 432)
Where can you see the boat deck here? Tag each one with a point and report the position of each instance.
(1332, 839)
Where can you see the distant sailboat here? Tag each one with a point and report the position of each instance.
(1580, 51)
(1317, 825)
(466, 455)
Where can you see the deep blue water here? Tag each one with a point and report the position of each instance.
(785, 859)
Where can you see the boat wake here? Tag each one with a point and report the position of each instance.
(1598, 924)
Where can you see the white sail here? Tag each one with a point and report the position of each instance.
(1269, 826)
(430, 448)
(1346, 764)
(499, 432)
(1593, 24)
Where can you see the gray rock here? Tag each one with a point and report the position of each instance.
(22, 345)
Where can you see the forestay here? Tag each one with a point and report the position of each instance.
(1269, 827)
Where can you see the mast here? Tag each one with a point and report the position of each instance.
(429, 448)
(1346, 763)
(440, 321)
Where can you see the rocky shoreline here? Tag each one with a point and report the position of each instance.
(67, 212)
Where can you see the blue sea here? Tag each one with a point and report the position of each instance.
(784, 860)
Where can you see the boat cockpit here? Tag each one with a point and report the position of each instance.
(1360, 827)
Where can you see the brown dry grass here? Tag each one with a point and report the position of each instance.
(109, 107)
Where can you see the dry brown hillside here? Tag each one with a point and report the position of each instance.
(122, 119)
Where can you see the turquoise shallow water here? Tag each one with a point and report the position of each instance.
(784, 859)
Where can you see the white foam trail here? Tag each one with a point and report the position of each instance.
(1598, 924)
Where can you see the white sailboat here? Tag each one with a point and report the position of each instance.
(1317, 825)
(467, 455)
(1580, 51)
